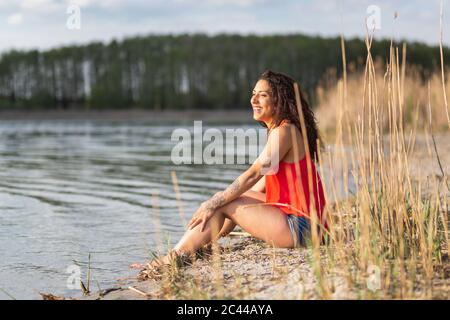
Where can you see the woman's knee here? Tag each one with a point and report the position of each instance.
(235, 206)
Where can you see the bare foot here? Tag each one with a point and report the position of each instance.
(154, 269)
(155, 263)
(137, 265)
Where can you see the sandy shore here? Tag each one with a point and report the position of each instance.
(246, 269)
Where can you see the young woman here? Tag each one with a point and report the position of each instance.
(271, 199)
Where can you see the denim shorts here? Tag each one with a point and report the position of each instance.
(300, 229)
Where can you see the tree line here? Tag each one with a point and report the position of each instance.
(178, 72)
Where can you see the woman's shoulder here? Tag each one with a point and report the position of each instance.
(287, 127)
(289, 132)
(286, 124)
(286, 130)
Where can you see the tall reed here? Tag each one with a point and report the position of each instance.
(391, 222)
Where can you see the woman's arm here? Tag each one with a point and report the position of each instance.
(260, 186)
(278, 144)
(243, 183)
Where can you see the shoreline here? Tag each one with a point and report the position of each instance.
(245, 268)
(241, 116)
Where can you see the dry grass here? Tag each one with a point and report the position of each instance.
(393, 87)
(393, 224)
(415, 113)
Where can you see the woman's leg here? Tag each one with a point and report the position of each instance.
(193, 239)
(229, 225)
(267, 223)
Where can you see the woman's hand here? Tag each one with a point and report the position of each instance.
(201, 216)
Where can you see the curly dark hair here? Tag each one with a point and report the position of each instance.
(283, 93)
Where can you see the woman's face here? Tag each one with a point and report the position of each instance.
(262, 102)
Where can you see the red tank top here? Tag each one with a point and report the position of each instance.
(288, 189)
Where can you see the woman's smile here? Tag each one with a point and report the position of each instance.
(261, 101)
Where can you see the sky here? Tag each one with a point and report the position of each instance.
(43, 24)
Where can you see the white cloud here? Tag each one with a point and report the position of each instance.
(15, 19)
(81, 3)
(31, 4)
(100, 3)
(240, 3)
(43, 21)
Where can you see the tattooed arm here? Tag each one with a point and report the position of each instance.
(273, 152)
(243, 183)
(269, 158)
(207, 209)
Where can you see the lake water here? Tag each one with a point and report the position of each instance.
(70, 189)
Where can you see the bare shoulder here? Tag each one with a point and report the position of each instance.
(291, 134)
(281, 134)
(289, 131)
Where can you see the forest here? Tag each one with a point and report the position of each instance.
(182, 72)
